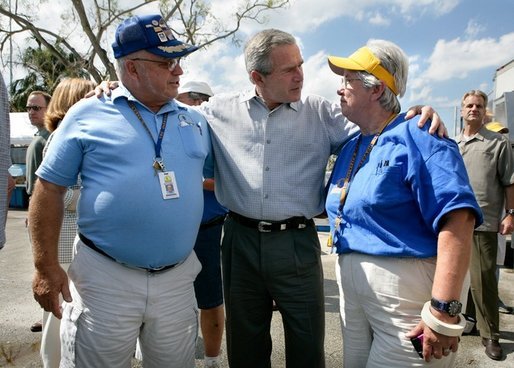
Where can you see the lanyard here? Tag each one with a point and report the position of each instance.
(158, 163)
(350, 174)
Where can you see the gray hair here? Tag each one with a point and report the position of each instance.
(258, 49)
(119, 65)
(394, 60)
(475, 92)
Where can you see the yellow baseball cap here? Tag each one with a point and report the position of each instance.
(496, 126)
(363, 59)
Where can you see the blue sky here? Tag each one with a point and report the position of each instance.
(453, 45)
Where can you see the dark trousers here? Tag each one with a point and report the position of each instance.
(484, 286)
(284, 266)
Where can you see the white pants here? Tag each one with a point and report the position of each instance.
(380, 301)
(113, 305)
(50, 341)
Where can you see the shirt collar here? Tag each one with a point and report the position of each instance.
(251, 94)
(479, 135)
(123, 92)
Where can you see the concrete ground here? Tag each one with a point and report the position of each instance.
(20, 348)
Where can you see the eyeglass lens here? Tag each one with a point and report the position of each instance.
(35, 108)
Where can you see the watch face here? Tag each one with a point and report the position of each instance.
(454, 308)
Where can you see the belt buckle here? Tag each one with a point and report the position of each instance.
(261, 224)
(157, 269)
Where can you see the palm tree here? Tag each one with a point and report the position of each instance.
(45, 71)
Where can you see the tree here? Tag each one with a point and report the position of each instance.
(45, 71)
(89, 20)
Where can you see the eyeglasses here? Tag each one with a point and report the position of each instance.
(170, 64)
(345, 81)
(35, 108)
(198, 96)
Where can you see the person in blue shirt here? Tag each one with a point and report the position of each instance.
(134, 267)
(402, 214)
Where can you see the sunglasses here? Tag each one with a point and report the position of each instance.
(35, 108)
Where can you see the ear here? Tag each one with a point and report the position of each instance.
(131, 68)
(377, 91)
(257, 78)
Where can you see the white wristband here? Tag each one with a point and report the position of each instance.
(443, 328)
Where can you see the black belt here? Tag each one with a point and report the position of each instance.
(218, 220)
(268, 226)
(92, 245)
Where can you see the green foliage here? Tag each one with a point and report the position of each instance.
(45, 71)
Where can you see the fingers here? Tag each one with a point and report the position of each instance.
(439, 352)
(66, 294)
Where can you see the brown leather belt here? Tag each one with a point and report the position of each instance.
(89, 243)
(268, 226)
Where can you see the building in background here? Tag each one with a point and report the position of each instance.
(503, 97)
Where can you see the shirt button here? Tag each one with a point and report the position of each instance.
(265, 196)
(267, 168)
(268, 141)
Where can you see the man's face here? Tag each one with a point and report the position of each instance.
(158, 83)
(473, 110)
(36, 107)
(285, 82)
(186, 99)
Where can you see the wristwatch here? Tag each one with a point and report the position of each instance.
(453, 307)
(509, 211)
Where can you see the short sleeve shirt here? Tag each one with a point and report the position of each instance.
(490, 166)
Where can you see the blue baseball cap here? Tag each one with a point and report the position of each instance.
(150, 33)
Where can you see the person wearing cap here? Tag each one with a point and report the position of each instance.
(490, 166)
(208, 284)
(194, 93)
(401, 213)
(271, 147)
(142, 158)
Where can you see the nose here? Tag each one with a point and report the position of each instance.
(178, 70)
(299, 73)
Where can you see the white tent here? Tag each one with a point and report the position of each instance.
(22, 131)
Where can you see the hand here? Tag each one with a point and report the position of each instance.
(507, 225)
(47, 284)
(104, 87)
(434, 344)
(427, 112)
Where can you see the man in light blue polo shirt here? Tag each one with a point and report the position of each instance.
(141, 158)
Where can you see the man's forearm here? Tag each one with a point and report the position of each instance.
(45, 219)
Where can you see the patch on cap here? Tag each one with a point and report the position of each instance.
(150, 33)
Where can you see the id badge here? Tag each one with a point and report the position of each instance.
(168, 183)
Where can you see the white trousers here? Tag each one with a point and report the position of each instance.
(50, 340)
(380, 301)
(113, 305)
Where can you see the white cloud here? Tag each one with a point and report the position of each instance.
(474, 29)
(319, 79)
(303, 16)
(379, 20)
(457, 58)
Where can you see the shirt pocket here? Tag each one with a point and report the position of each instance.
(384, 186)
(191, 136)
